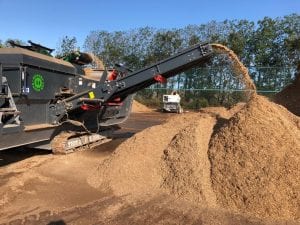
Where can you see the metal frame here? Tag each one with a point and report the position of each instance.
(138, 80)
(1, 73)
(51, 106)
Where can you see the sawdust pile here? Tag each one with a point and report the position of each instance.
(238, 67)
(135, 166)
(185, 164)
(289, 97)
(255, 158)
(139, 108)
(245, 159)
(248, 162)
(169, 158)
(222, 112)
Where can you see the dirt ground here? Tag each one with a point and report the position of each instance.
(140, 108)
(52, 182)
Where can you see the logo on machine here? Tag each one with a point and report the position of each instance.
(38, 82)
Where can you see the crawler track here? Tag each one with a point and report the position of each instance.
(69, 141)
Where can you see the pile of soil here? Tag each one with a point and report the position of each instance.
(255, 158)
(139, 108)
(289, 97)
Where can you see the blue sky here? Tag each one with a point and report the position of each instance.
(47, 21)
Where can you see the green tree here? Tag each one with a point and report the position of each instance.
(239, 39)
(269, 43)
(266, 43)
(66, 45)
(164, 43)
(137, 47)
(108, 46)
(128, 47)
(290, 25)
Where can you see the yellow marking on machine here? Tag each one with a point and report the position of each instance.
(91, 95)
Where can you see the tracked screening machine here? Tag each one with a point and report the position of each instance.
(56, 104)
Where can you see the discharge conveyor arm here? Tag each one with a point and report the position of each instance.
(120, 88)
(158, 72)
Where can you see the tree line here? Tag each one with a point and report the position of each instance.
(270, 48)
